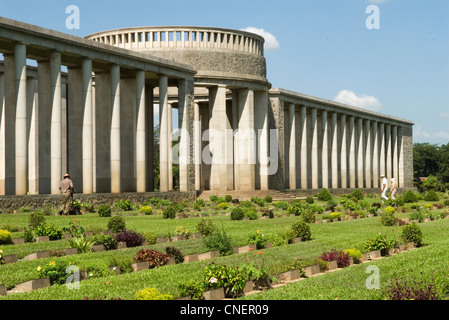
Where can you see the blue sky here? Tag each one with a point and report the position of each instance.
(321, 47)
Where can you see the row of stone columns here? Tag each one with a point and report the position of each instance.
(232, 128)
(337, 150)
(104, 125)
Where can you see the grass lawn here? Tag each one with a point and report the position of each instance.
(432, 260)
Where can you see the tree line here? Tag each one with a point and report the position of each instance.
(431, 161)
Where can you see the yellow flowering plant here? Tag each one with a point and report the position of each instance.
(55, 271)
(2, 260)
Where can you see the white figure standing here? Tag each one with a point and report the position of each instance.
(393, 188)
(384, 186)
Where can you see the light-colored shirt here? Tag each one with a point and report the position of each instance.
(384, 183)
(65, 185)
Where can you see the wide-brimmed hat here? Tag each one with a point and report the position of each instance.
(382, 175)
(67, 175)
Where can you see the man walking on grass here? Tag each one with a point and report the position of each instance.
(384, 186)
(66, 187)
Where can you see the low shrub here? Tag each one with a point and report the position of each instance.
(380, 242)
(83, 244)
(182, 231)
(276, 239)
(258, 239)
(108, 242)
(223, 206)
(237, 214)
(228, 198)
(199, 204)
(152, 294)
(407, 289)
(335, 215)
(194, 289)
(357, 194)
(131, 238)
(341, 257)
(104, 210)
(169, 212)
(281, 205)
(388, 218)
(308, 216)
(28, 235)
(154, 258)
(310, 200)
(331, 205)
(410, 197)
(259, 201)
(268, 199)
(417, 215)
(147, 210)
(36, 219)
(431, 195)
(5, 237)
(219, 241)
(117, 224)
(55, 271)
(124, 205)
(232, 279)
(50, 230)
(251, 213)
(412, 233)
(296, 208)
(205, 227)
(355, 254)
(175, 253)
(302, 230)
(324, 195)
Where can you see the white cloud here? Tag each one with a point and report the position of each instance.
(270, 40)
(421, 134)
(444, 115)
(363, 101)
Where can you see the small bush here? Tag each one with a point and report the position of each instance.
(83, 244)
(36, 219)
(258, 239)
(388, 218)
(268, 199)
(55, 271)
(152, 294)
(251, 213)
(417, 215)
(147, 210)
(335, 215)
(50, 230)
(48, 209)
(276, 239)
(355, 254)
(169, 212)
(223, 206)
(116, 224)
(104, 210)
(28, 235)
(5, 237)
(302, 230)
(295, 208)
(220, 241)
(410, 197)
(341, 257)
(131, 238)
(310, 200)
(357, 194)
(124, 205)
(412, 233)
(431, 195)
(232, 279)
(108, 242)
(308, 216)
(182, 231)
(194, 289)
(380, 242)
(406, 289)
(154, 258)
(324, 195)
(228, 198)
(205, 227)
(175, 253)
(281, 205)
(237, 214)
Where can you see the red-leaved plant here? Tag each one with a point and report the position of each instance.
(341, 257)
(154, 258)
(401, 289)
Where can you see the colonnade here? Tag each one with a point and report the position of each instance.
(329, 148)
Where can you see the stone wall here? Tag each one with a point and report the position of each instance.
(38, 201)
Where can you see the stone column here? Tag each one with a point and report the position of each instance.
(149, 136)
(115, 130)
(394, 138)
(247, 140)
(352, 153)
(334, 151)
(375, 139)
(389, 166)
(304, 150)
(21, 142)
(141, 131)
(170, 147)
(87, 142)
(235, 126)
(261, 125)
(401, 154)
(360, 153)
(32, 125)
(2, 134)
(325, 151)
(343, 154)
(382, 161)
(164, 136)
(368, 155)
(314, 138)
(197, 146)
(292, 146)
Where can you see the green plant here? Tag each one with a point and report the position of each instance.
(335, 215)
(324, 195)
(410, 197)
(296, 208)
(5, 237)
(220, 241)
(417, 215)
(48, 209)
(2, 260)
(194, 289)
(205, 227)
(116, 224)
(232, 279)
(281, 205)
(228, 198)
(152, 294)
(388, 218)
(258, 239)
(355, 254)
(268, 199)
(36, 219)
(175, 253)
(349, 204)
(83, 244)
(74, 228)
(251, 213)
(276, 239)
(237, 214)
(104, 210)
(380, 242)
(147, 210)
(310, 200)
(55, 271)
(124, 205)
(131, 238)
(412, 233)
(28, 235)
(431, 195)
(259, 201)
(154, 258)
(223, 206)
(169, 212)
(308, 216)
(182, 231)
(50, 230)
(199, 204)
(108, 242)
(357, 194)
(302, 230)
(150, 237)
